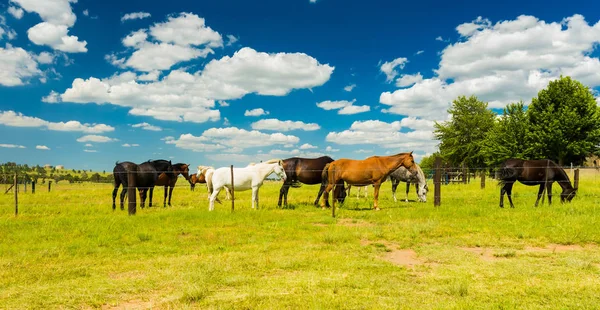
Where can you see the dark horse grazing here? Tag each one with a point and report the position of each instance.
(542, 172)
(372, 170)
(169, 181)
(146, 176)
(306, 171)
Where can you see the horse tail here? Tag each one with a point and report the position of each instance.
(325, 175)
(210, 187)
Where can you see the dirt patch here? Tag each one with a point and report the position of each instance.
(484, 253)
(353, 223)
(131, 305)
(554, 248)
(399, 257)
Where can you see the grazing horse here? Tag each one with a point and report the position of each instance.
(372, 170)
(250, 177)
(169, 181)
(415, 176)
(120, 174)
(542, 172)
(307, 171)
(147, 177)
(204, 175)
(195, 179)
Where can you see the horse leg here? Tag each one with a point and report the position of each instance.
(540, 193)
(170, 194)
(142, 197)
(407, 190)
(283, 194)
(325, 201)
(509, 187)
(123, 193)
(213, 197)
(502, 192)
(151, 194)
(165, 198)
(376, 196)
(366, 191)
(321, 189)
(114, 194)
(549, 190)
(255, 197)
(394, 187)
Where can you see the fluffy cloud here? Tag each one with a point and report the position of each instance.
(42, 147)
(408, 79)
(350, 87)
(256, 112)
(90, 151)
(12, 146)
(17, 66)
(345, 107)
(147, 126)
(389, 68)
(220, 138)
(130, 145)
(278, 125)
(231, 39)
(183, 96)
(57, 17)
(387, 135)
(501, 63)
(15, 12)
(307, 146)
(135, 15)
(330, 149)
(14, 119)
(96, 138)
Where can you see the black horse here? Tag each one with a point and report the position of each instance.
(146, 176)
(308, 171)
(542, 172)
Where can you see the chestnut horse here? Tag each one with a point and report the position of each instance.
(372, 170)
(168, 180)
(542, 172)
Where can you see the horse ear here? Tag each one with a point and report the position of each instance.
(411, 153)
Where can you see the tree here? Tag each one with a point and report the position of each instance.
(428, 162)
(508, 138)
(565, 122)
(461, 137)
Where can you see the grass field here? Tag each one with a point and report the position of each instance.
(68, 249)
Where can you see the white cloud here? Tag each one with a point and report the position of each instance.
(147, 126)
(330, 149)
(56, 36)
(14, 119)
(223, 103)
(135, 15)
(130, 145)
(135, 38)
(345, 107)
(226, 122)
(57, 12)
(86, 12)
(17, 66)
(278, 125)
(45, 58)
(12, 146)
(312, 1)
(408, 79)
(389, 68)
(361, 151)
(350, 87)
(89, 145)
(503, 62)
(231, 39)
(256, 112)
(53, 97)
(15, 12)
(222, 138)
(307, 146)
(96, 138)
(90, 151)
(42, 147)
(420, 52)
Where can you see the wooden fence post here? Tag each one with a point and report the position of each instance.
(576, 177)
(464, 173)
(437, 182)
(131, 192)
(232, 190)
(483, 179)
(33, 187)
(16, 196)
(49, 185)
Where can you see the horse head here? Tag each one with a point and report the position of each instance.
(568, 194)
(422, 192)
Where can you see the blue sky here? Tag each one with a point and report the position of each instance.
(87, 83)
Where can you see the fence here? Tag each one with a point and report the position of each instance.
(440, 177)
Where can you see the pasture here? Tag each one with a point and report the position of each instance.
(69, 249)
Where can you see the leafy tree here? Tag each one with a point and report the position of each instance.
(461, 137)
(508, 138)
(95, 177)
(428, 162)
(565, 122)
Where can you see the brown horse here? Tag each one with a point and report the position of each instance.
(542, 172)
(169, 179)
(195, 179)
(373, 170)
(306, 171)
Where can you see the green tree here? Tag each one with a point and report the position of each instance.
(461, 137)
(565, 122)
(508, 138)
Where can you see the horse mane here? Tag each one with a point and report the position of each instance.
(274, 161)
(561, 172)
(202, 169)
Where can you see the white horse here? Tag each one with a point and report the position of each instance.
(250, 177)
(416, 176)
(365, 189)
(208, 171)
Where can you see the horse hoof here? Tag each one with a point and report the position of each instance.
(377, 209)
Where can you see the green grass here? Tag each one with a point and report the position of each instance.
(68, 249)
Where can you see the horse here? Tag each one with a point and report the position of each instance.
(169, 181)
(120, 175)
(147, 177)
(204, 175)
(194, 179)
(364, 188)
(372, 170)
(541, 172)
(250, 177)
(415, 176)
(306, 171)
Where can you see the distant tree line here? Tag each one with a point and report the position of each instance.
(41, 175)
(562, 124)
